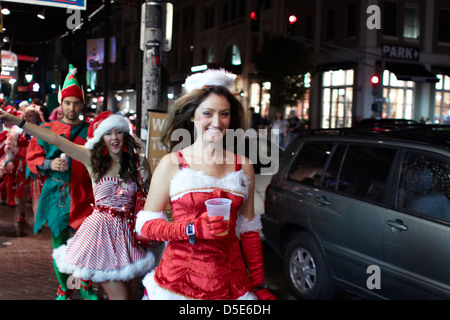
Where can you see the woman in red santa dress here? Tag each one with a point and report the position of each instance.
(198, 262)
(104, 248)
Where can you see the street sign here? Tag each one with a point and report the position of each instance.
(379, 99)
(10, 64)
(72, 4)
(166, 25)
(167, 18)
(400, 52)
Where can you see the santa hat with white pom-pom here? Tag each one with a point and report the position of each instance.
(104, 122)
(71, 87)
(211, 77)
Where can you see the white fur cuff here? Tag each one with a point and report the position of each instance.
(143, 216)
(244, 225)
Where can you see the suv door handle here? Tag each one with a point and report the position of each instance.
(397, 225)
(322, 200)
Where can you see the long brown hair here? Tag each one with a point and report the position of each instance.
(184, 108)
(129, 160)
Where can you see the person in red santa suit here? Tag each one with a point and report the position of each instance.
(199, 262)
(8, 147)
(25, 186)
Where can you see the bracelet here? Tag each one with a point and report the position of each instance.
(22, 123)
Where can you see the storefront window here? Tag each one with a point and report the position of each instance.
(399, 97)
(442, 107)
(337, 99)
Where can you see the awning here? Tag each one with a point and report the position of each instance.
(411, 72)
(442, 70)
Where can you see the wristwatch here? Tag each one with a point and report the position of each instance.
(261, 286)
(190, 231)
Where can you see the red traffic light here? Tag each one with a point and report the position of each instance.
(375, 79)
(292, 19)
(253, 15)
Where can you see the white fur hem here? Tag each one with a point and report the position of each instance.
(155, 292)
(143, 216)
(244, 225)
(133, 270)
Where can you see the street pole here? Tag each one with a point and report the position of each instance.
(151, 68)
(106, 56)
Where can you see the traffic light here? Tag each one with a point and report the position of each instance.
(254, 21)
(376, 82)
(292, 21)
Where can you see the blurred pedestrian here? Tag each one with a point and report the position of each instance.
(256, 121)
(8, 147)
(25, 186)
(294, 126)
(199, 262)
(66, 195)
(57, 114)
(279, 127)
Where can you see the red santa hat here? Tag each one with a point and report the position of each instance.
(104, 122)
(11, 109)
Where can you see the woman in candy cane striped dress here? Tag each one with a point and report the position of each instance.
(104, 248)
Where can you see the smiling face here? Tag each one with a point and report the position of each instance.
(212, 118)
(114, 140)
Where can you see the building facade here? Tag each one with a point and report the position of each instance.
(405, 42)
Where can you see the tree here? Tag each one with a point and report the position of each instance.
(284, 62)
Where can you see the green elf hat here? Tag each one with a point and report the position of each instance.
(71, 87)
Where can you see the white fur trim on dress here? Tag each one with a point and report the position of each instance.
(143, 216)
(156, 292)
(133, 270)
(190, 180)
(210, 77)
(113, 121)
(244, 225)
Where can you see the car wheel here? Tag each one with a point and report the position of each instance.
(306, 269)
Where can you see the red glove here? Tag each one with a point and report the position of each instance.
(161, 230)
(253, 254)
(208, 227)
(205, 228)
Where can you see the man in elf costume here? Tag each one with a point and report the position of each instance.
(67, 194)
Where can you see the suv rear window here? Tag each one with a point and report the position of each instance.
(359, 171)
(365, 172)
(425, 186)
(308, 166)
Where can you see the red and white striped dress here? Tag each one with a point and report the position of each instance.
(103, 248)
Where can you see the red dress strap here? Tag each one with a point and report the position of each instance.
(181, 161)
(237, 164)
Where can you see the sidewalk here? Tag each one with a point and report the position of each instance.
(26, 265)
(26, 268)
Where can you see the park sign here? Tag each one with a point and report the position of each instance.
(68, 4)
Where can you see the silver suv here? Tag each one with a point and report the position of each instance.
(364, 210)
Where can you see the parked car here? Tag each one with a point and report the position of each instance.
(367, 211)
(386, 123)
(265, 155)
